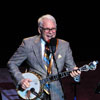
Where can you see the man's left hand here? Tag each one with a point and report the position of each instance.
(75, 72)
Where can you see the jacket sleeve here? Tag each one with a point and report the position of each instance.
(15, 61)
(69, 62)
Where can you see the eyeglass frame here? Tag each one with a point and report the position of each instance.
(48, 29)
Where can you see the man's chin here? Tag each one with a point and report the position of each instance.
(48, 39)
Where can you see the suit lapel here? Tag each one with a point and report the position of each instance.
(57, 50)
(38, 52)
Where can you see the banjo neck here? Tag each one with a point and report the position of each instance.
(54, 77)
(50, 78)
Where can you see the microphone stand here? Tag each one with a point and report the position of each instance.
(97, 90)
(52, 51)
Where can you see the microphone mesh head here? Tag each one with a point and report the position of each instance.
(53, 42)
(52, 45)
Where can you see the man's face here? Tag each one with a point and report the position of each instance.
(48, 30)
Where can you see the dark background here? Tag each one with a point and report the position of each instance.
(78, 23)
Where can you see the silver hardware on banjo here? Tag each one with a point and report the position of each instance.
(36, 86)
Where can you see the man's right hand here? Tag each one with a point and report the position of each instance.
(25, 83)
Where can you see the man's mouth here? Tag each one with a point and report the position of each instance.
(49, 36)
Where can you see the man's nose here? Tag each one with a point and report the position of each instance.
(50, 31)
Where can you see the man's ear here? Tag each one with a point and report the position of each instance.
(39, 30)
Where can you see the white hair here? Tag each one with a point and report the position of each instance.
(47, 16)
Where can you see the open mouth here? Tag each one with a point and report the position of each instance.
(49, 36)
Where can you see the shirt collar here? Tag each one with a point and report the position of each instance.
(42, 41)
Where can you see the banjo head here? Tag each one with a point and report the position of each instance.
(35, 84)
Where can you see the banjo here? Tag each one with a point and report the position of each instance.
(36, 87)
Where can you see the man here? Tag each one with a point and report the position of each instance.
(32, 49)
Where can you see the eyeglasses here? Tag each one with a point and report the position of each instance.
(48, 29)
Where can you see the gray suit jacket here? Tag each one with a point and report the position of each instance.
(30, 50)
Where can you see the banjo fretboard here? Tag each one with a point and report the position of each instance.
(91, 66)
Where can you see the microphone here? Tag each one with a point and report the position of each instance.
(52, 45)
